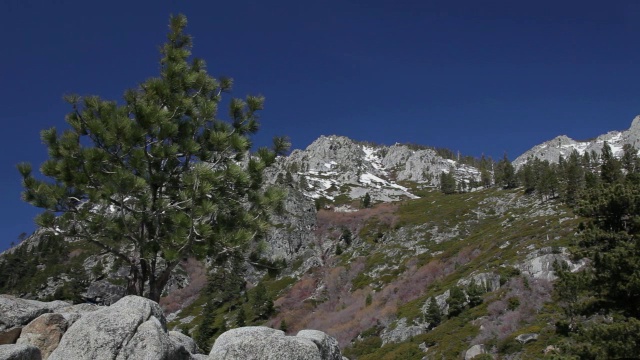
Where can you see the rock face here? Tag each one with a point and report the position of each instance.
(336, 166)
(256, 342)
(327, 345)
(564, 145)
(19, 352)
(401, 332)
(103, 292)
(293, 230)
(44, 333)
(15, 313)
(132, 328)
(474, 351)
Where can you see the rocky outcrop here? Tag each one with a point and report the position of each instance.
(401, 332)
(180, 339)
(44, 333)
(336, 166)
(540, 264)
(563, 145)
(327, 345)
(292, 233)
(474, 351)
(127, 329)
(19, 352)
(527, 338)
(15, 313)
(256, 342)
(103, 292)
(135, 328)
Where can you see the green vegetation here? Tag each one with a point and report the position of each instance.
(157, 179)
(607, 293)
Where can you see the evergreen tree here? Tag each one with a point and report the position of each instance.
(528, 177)
(262, 303)
(574, 179)
(474, 292)
(610, 169)
(505, 174)
(302, 183)
(207, 329)
(159, 177)
(608, 290)
(366, 201)
(485, 173)
(456, 301)
(433, 315)
(447, 182)
(630, 162)
(241, 317)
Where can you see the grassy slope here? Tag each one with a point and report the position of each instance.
(494, 230)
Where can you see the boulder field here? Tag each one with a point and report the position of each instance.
(135, 328)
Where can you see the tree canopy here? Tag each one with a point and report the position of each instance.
(160, 176)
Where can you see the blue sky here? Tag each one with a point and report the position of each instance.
(475, 76)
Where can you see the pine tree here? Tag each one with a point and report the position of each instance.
(505, 174)
(609, 287)
(528, 177)
(433, 315)
(366, 201)
(630, 162)
(262, 303)
(159, 177)
(485, 173)
(456, 301)
(574, 179)
(241, 317)
(610, 169)
(474, 292)
(447, 182)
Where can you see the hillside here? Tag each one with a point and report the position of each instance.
(411, 274)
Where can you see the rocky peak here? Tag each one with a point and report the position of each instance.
(563, 145)
(337, 166)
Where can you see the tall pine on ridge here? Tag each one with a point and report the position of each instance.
(160, 177)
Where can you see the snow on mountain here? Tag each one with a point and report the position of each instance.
(340, 169)
(563, 145)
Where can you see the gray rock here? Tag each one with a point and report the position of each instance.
(527, 338)
(539, 264)
(74, 312)
(44, 333)
(180, 339)
(103, 292)
(401, 332)
(474, 351)
(329, 349)
(105, 333)
(152, 342)
(256, 342)
(19, 352)
(16, 312)
(563, 146)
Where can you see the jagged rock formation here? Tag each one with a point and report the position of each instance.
(334, 166)
(563, 145)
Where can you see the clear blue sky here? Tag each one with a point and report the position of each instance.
(475, 76)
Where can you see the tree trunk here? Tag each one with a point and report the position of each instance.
(159, 281)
